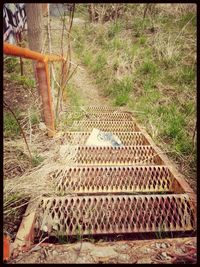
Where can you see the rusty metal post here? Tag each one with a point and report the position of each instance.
(44, 90)
(42, 73)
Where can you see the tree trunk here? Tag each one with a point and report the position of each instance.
(34, 14)
(34, 23)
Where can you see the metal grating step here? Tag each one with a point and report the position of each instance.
(127, 138)
(125, 155)
(116, 214)
(101, 109)
(115, 116)
(94, 180)
(110, 126)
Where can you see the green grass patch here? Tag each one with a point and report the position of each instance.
(142, 40)
(75, 99)
(121, 99)
(180, 76)
(148, 67)
(188, 17)
(99, 63)
(114, 29)
(139, 26)
(187, 75)
(11, 64)
(116, 44)
(183, 144)
(10, 125)
(87, 58)
(148, 85)
(24, 81)
(73, 95)
(37, 160)
(189, 108)
(133, 50)
(34, 116)
(120, 90)
(173, 120)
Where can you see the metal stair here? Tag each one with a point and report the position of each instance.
(116, 190)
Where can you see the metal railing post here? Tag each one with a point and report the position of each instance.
(43, 79)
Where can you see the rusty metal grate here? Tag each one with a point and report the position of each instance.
(127, 138)
(103, 109)
(116, 116)
(125, 155)
(116, 214)
(110, 126)
(114, 179)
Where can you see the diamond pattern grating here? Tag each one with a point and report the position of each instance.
(116, 214)
(101, 109)
(127, 138)
(110, 126)
(113, 179)
(115, 116)
(125, 155)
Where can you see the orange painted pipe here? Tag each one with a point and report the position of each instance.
(43, 79)
(45, 93)
(14, 50)
(6, 247)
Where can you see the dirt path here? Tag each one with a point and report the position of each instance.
(86, 87)
(84, 84)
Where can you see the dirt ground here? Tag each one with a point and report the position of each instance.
(85, 86)
(143, 251)
(84, 83)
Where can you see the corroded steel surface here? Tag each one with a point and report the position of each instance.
(116, 214)
(110, 126)
(125, 155)
(93, 180)
(112, 116)
(127, 138)
(92, 109)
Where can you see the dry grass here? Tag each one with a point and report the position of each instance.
(177, 9)
(35, 182)
(168, 46)
(165, 47)
(16, 162)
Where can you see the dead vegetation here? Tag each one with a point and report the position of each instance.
(105, 12)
